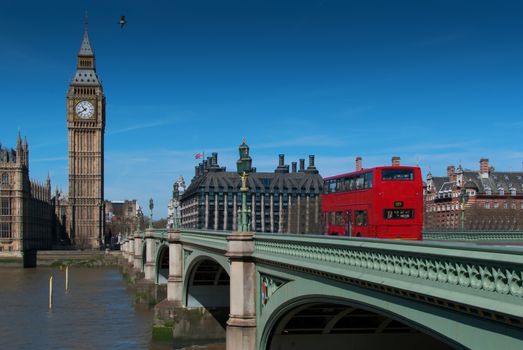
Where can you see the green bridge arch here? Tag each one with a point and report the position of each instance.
(193, 260)
(457, 330)
(162, 251)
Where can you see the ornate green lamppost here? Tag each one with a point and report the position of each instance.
(151, 206)
(244, 225)
(243, 166)
(462, 209)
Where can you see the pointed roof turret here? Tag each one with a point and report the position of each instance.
(85, 67)
(86, 49)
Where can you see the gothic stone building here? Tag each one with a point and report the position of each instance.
(26, 210)
(86, 126)
(279, 201)
(483, 199)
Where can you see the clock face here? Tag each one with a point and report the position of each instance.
(84, 109)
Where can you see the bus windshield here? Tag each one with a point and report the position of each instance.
(397, 174)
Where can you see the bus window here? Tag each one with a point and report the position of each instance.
(345, 184)
(361, 218)
(338, 219)
(332, 186)
(397, 174)
(359, 182)
(348, 222)
(368, 180)
(352, 183)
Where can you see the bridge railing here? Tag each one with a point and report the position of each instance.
(216, 240)
(439, 269)
(160, 233)
(490, 236)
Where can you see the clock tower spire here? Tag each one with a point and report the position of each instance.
(86, 128)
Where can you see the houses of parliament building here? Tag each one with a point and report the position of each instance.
(31, 216)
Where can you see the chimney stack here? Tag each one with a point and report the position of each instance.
(483, 167)
(396, 161)
(302, 165)
(294, 167)
(281, 168)
(451, 173)
(359, 164)
(311, 169)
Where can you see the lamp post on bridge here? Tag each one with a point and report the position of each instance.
(462, 198)
(243, 167)
(243, 224)
(241, 325)
(151, 206)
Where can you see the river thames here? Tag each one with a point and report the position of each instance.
(97, 312)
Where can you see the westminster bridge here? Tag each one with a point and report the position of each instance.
(277, 291)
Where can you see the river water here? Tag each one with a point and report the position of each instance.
(97, 312)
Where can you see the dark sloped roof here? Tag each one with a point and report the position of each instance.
(497, 182)
(263, 182)
(447, 186)
(438, 181)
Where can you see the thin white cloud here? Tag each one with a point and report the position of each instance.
(135, 127)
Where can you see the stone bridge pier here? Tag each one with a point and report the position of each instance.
(138, 252)
(150, 255)
(197, 308)
(241, 326)
(301, 292)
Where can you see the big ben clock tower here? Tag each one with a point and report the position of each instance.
(86, 127)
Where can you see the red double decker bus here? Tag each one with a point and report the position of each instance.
(381, 202)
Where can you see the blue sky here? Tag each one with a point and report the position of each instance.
(435, 81)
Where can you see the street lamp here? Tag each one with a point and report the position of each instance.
(151, 206)
(462, 197)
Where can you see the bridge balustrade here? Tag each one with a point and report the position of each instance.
(481, 282)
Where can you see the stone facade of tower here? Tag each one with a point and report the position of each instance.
(26, 210)
(86, 127)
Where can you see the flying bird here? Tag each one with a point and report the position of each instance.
(122, 21)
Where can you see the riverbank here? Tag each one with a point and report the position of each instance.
(56, 258)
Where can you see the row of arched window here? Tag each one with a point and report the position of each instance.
(84, 91)
(85, 63)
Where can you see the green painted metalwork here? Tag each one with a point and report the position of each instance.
(191, 261)
(490, 236)
(452, 327)
(269, 284)
(472, 294)
(157, 261)
(160, 233)
(461, 273)
(208, 239)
